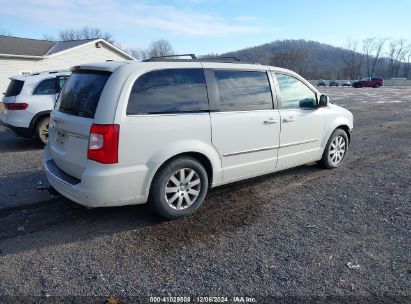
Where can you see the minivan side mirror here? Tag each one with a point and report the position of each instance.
(324, 100)
(307, 103)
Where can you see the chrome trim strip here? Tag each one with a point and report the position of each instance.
(251, 151)
(298, 143)
(68, 133)
(76, 135)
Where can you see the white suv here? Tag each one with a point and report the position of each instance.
(29, 100)
(164, 131)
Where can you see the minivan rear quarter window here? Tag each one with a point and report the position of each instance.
(243, 90)
(169, 91)
(81, 93)
(14, 88)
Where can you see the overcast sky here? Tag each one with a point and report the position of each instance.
(200, 26)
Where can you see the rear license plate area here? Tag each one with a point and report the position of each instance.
(60, 136)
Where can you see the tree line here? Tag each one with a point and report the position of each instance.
(382, 57)
(389, 58)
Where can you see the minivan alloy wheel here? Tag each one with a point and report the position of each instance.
(337, 150)
(182, 188)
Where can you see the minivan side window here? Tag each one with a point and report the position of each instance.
(46, 87)
(243, 90)
(169, 91)
(294, 93)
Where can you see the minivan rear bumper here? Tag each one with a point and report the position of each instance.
(96, 190)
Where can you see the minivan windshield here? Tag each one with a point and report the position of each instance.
(14, 88)
(81, 93)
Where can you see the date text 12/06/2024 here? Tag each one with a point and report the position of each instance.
(202, 299)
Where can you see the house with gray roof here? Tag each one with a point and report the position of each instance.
(19, 56)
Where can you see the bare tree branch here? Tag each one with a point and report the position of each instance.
(379, 46)
(368, 48)
(157, 48)
(406, 59)
(350, 58)
(86, 32)
(160, 48)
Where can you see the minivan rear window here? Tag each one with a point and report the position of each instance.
(81, 93)
(14, 88)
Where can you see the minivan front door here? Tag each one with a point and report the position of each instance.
(302, 123)
(246, 128)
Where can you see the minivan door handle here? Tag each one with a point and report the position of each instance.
(289, 119)
(270, 121)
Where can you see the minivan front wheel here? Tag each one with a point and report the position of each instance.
(179, 188)
(335, 150)
(42, 130)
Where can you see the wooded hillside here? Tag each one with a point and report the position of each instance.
(314, 60)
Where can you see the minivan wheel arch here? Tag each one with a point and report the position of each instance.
(338, 125)
(197, 156)
(346, 129)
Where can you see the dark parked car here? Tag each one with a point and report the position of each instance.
(346, 84)
(374, 82)
(321, 83)
(334, 83)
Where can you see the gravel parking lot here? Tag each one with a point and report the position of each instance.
(305, 232)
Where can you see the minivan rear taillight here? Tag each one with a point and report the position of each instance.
(103, 143)
(16, 106)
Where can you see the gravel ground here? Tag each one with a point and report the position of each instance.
(288, 235)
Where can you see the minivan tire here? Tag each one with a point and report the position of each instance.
(42, 131)
(174, 202)
(376, 86)
(338, 141)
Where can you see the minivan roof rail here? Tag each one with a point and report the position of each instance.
(222, 58)
(159, 58)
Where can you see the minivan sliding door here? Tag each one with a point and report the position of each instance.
(245, 128)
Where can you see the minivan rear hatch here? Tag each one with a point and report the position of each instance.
(71, 121)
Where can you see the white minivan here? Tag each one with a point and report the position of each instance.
(165, 130)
